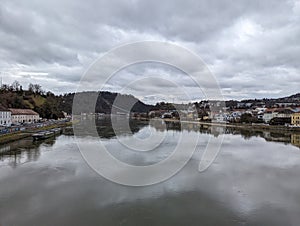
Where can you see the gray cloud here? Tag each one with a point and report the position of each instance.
(252, 47)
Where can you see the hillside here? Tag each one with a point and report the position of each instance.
(47, 105)
(294, 97)
(52, 106)
(104, 103)
(268, 102)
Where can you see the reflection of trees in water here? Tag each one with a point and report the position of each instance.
(104, 127)
(105, 130)
(279, 137)
(247, 134)
(282, 137)
(161, 125)
(22, 151)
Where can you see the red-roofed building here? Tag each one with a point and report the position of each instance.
(271, 113)
(23, 116)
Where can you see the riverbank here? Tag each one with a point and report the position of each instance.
(253, 127)
(10, 137)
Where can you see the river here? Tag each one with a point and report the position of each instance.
(254, 180)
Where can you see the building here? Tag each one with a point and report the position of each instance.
(296, 119)
(284, 113)
(5, 117)
(23, 116)
(269, 114)
(222, 118)
(155, 114)
(167, 115)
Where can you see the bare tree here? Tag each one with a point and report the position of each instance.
(16, 85)
(5, 87)
(37, 89)
(31, 88)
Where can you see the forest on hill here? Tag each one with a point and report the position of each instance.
(52, 106)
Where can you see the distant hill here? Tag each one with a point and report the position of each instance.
(268, 102)
(105, 103)
(51, 106)
(294, 97)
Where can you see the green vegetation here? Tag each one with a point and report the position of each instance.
(46, 104)
(248, 118)
(51, 106)
(13, 137)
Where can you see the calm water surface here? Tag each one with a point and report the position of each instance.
(255, 180)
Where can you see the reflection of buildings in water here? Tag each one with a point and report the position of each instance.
(17, 158)
(204, 129)
(267, 134)
(295, 140)
(4, 149)
(216, 131)
(105, 129)
(22, 151)
(190, 126)
(278, 137)
(159, 125)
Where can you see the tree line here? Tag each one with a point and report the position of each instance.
(17, 87)
(47, 104)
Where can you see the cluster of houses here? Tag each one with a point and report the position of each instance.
(277, 115)
(14, 116)
(283, 115)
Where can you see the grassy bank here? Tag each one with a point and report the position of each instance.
(13, 137)
(6, 138)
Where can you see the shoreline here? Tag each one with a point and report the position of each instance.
(11, 137)
(7, 138)
(253, 127)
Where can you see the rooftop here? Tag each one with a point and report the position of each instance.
(16, 111)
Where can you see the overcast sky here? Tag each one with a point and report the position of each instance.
(252, 47)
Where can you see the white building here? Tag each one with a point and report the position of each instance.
(222, 118)
(23, 116)
(277, 113)
(268, 115)
(5, 117)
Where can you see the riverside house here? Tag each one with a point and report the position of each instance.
(23, 116)
(5, 117)
(296, 119)
(271, 113)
